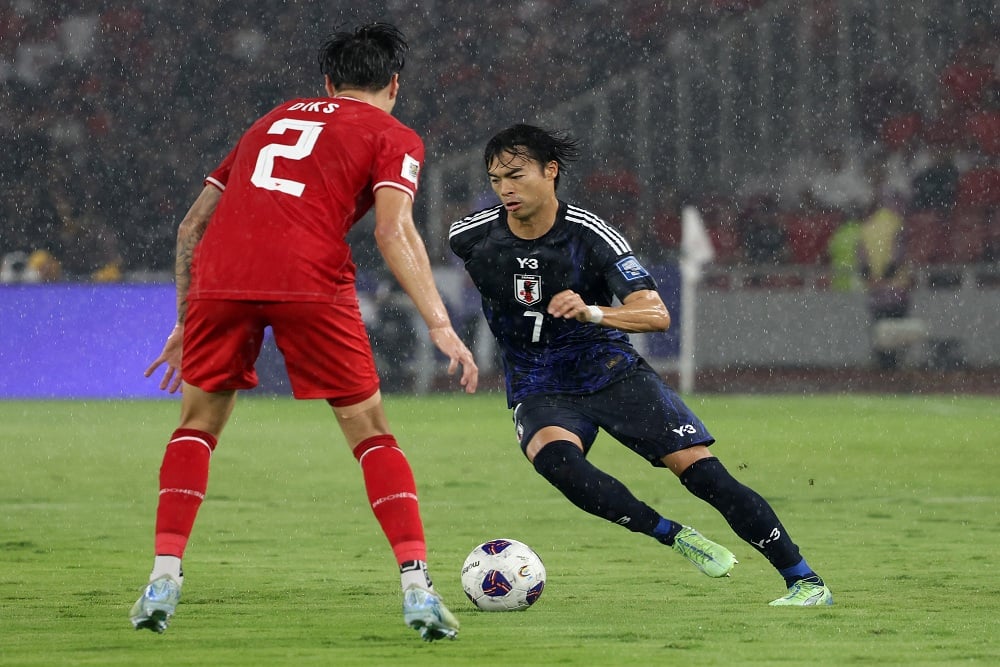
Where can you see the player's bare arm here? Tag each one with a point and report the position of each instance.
(641, 312)
(406, 256)
(189, 232)
(191, 229)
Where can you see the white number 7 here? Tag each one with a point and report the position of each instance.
(536, 331)
(309, 132)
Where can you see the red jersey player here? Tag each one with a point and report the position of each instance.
(264, 245)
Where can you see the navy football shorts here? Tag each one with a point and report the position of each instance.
(641, 411)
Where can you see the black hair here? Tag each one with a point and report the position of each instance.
(365, 58)
(533, 143)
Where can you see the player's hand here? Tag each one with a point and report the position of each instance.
(452, 347)
(171, 356)
(570, 306)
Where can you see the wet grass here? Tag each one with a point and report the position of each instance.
(895, 500)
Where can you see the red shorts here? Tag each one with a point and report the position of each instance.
(325, 346)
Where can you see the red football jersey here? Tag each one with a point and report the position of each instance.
(293, 186)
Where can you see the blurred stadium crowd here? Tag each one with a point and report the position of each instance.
(112, 114)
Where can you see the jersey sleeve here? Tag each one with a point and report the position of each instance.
(457, 242)
(612, 256)
(464, 234)
(220, 176)
(399, 159)
(626, 274)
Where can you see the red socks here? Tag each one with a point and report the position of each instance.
(392, 493)
(183, 480)
(389, 482)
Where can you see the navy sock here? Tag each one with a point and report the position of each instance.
(593, 490)
(800, 571)
(666, 530)
(748, 514)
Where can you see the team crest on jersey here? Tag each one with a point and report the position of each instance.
(631, 268)
(411, 168)
(527, 289)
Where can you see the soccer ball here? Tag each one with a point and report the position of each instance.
(503, 575)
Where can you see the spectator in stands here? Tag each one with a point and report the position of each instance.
(889, 189)
(967, 84)
(888, 102)
(761, 232)
(886, 275)
(982, 127)
(28, 220)
(972, 68)
(43, 267)
(86, 247)
(616, 186)
(721, 215)
(38, 267)
(665, 227)
(842, 249)
(839, 183)
(935, 186)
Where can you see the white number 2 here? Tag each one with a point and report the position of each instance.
(536, 331)
(308, 134)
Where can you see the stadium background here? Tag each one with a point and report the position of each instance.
(113, 112)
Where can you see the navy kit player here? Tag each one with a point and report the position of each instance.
(561, 289)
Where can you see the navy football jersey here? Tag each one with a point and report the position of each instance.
(517, 278)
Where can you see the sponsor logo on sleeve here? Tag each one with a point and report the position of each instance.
(411, 168)
(631, 268)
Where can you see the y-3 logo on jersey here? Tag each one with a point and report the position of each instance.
(527, 289)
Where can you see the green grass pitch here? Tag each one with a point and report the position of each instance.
(895, 500)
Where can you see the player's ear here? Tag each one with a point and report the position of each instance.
(394, 86)
(328, 85)
(551, 170)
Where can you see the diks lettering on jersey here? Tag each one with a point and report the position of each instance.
(316, 106)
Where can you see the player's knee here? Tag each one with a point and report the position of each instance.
(557, 459)
(708, 478)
